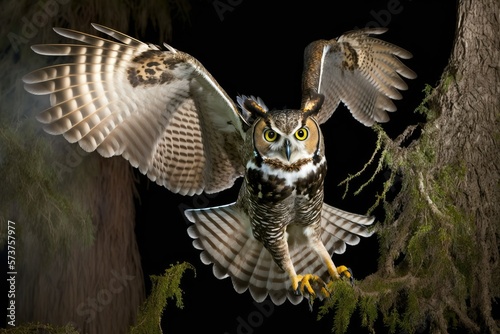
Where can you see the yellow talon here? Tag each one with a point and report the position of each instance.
(345, 272)
(325, 292)
(308, 282)
(305, 284)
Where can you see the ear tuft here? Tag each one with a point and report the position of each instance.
(313, 103)
(249, 115)
(255, 108)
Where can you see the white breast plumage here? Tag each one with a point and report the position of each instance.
(291, 176)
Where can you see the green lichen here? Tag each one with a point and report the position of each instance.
(378, 148)
(424, 108)
(368, 310)
(164, 287)
(411, 316)
(343, 301)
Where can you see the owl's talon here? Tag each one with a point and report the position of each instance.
(343, 271)
(306, 285)
(325, 292)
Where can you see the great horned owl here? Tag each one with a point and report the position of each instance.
(163, 112)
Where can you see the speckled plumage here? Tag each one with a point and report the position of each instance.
(163, 112)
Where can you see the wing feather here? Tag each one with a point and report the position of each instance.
(361, 71)
(161, 110)
(341, 228)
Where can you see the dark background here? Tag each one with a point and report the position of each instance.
(256, 48)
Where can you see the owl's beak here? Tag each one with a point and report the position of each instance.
(288, 149)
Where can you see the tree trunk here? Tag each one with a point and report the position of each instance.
(97, 288)
(468, 133)
(63, 277)
(439, 267)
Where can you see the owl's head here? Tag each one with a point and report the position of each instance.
(286, 136)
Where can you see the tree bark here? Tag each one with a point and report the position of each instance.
(468, 134)
(98, 288)
(440, 242)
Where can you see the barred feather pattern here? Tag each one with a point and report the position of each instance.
(358, 70)
(160, 110)
(224, 235)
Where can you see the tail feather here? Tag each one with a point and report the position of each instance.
(243, 266)
(258, 280)
(225, 240)
(225, 237)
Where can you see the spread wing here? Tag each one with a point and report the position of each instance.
(361, 71)
(161, 110)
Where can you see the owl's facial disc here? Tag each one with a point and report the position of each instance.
(286, 137)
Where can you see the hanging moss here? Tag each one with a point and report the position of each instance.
(368, 310)
(424, 107)
(343, 301)
(378, 148)
(164, 287)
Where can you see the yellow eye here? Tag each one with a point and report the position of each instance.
(301, 134)
(270, 135)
